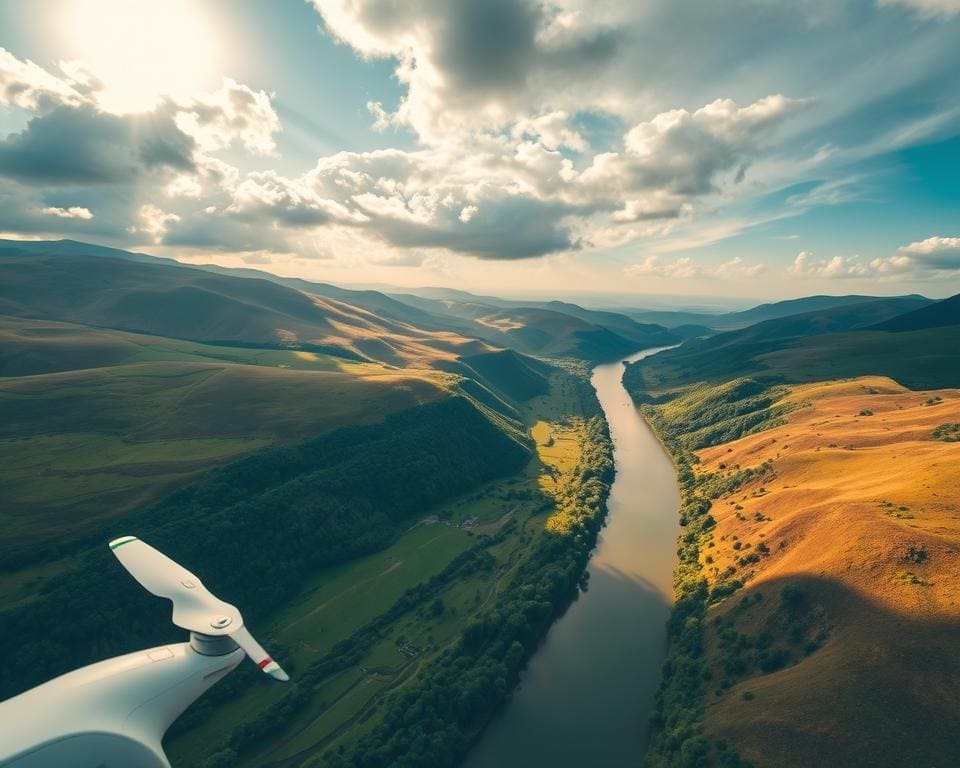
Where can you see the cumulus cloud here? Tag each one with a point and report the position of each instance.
(920, 260)
(81, 145)
(73, 212)
(924, 259)
(232, 114)
(512, 196)
(806, 265)
(737, 267)
(935, 252)
(29, 86)
(474, 63)
(652, 266)
(685, 267)
(154, 221)
(72, 139)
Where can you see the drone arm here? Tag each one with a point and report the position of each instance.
(108, 710)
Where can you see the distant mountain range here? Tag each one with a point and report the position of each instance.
(107, 287)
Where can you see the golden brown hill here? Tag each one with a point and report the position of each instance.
(843, 649)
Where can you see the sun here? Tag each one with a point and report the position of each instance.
(143, 50)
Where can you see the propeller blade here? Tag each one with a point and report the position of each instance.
(195, 608)
(258, 656)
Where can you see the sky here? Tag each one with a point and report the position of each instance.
(745, 148)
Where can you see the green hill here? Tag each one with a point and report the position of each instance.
(943, 313)
(513, 375)
(781, 309)
(828, 344)
(175, 301)
(111, 420)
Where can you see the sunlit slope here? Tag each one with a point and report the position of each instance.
(175, 301)
(551, 329)
(859, 514)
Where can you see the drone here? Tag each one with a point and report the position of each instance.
(113, 714)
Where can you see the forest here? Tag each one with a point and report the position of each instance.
(257, 527)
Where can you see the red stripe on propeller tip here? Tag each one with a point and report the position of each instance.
(264, 663)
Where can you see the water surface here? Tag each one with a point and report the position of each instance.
(585, 697)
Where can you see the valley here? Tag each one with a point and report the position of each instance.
(404, 493)
(404, 496)
(816, 587)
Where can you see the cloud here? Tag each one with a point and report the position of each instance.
(512, 196)
(678, 156)
(234, 114)
(83, 146)
(924, 259)
(684, 267)
(738, 268)
(29, 86)
(652, 266)
(73, 212)
(154, 222)
(805, 265)
(474, 63)
(935, 252)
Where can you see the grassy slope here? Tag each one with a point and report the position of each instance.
(827, 671)
(143, 414)
(923, 358)
(870, 640)
(180, 302)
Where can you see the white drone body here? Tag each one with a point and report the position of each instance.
(113, 714)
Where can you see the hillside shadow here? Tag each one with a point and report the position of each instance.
(881, 691)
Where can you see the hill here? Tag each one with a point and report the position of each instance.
(763, 312)
(175, 301)
(942, 313)
(512, 375)
(814, 611)
(316, 503)
(548, 329)
(235, 305)
(74, 248)
(367, 484)
(809, 347)
(819, 561)
(112, 420)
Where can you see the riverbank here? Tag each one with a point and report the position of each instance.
(829, 573)
(584, 696)
(435, 716)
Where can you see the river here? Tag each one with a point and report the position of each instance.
(585, 697)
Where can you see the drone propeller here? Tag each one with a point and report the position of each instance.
(194, 607)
